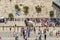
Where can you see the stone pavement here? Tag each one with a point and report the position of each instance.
(48, 38)
(31, 38)
(9, 35)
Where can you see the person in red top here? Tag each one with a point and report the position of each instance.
(57, 34)
(0, 38)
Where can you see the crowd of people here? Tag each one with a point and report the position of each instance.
(46, 21)
(26, 32)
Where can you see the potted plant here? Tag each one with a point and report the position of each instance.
(10, 16)
(26, 10)
(51, 13)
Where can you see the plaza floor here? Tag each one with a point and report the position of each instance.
(33, 37)
(9, 35)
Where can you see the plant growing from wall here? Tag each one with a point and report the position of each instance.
(38, 9)
(10, 0)
(10, 16)
(26, 10)
(51, 13)
(17, 7)
(20, 4)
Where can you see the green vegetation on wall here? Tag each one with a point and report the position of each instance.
(17, 7)
(38, 9)
(51, 13)
(10, 0)
(10, 16)
(26, 10)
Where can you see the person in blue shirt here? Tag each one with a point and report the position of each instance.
(28, 33)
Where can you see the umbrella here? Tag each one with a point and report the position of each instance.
(31, 21)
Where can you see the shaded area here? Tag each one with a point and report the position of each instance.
(56, 5)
